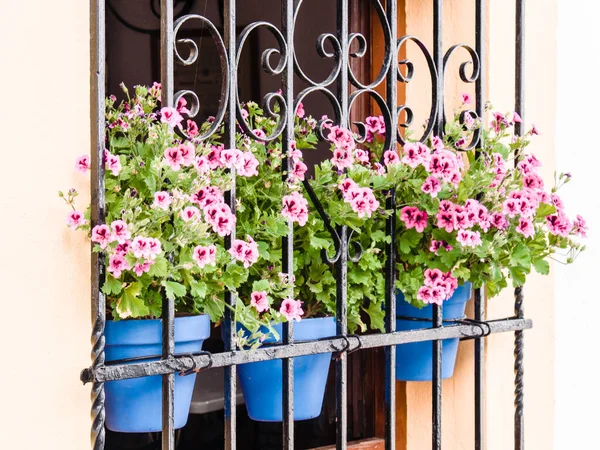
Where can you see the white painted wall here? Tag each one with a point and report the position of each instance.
(577, 299)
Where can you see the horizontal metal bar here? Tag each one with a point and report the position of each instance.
(335, 344)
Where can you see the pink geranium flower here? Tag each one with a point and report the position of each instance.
(140, 247)
(201, 164)
(113, 163)
(412, 157)
(580, 226)
(525, 227)
(82, 164)
(188, 153)
(170, 116)
(466, 99)
(361, 155)
(559, 224)
(298, 171)
(174, 158)
(120, 232)
(75, 219)
(295, 208)
(390, 157)
(499, 221)
(468, 238)
(214, 156)
(300, 110)
(437, 143)
(246, 252)
(259, 300)
(362, 201)
(341, 138)
(190, 213)
(142, 268)
(346, 186)
(342, 158)
(117, 264)
(182, 106)
(192, 129)
(162, 200)
(230, 157)
(432, 186)
(291, 309)
(247, 165)
(204, 255)
(101, 235)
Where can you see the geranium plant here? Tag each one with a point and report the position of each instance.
(166, 216)
(482, 217)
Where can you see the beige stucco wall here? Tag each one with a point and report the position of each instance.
(44, 119)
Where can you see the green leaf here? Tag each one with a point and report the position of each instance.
(517, 275)
(160, 268)
(319, 243)
(111, 286)
(520, 256)
(174, 289)
(215, 309)
(541, 266)
(461, 272)
(198, 289)
(545, 210)
(261, 285)
(376, 315)
(129, 305)
(408, 240)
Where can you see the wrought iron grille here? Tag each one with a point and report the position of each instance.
(342, 89)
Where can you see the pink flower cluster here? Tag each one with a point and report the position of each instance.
(343, 153)
(438, 286)
(82, 164)
(112, 163)
(216, 212)
(246, 252)
(291, 309)
(75, 219)
(259, 300)
(297, 166)
(171, 116)
(414, 218)
(361, 199)
(245, 163)
(180, 155)
(204, 255)
(162, 200)
(146, 249)
(375, 125)
(295, 208)
(436, 246)
(102, 234)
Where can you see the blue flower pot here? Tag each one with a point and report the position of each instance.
(414, 361)
(135, 405)
(262, 381)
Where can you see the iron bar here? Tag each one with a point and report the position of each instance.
(390, 268)
(479, 300)
(287, 255)
(279, 351)
(168, 306)
(97, 124)
(519, 419)
(230, 372)
(341, 265)
(436, 391)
